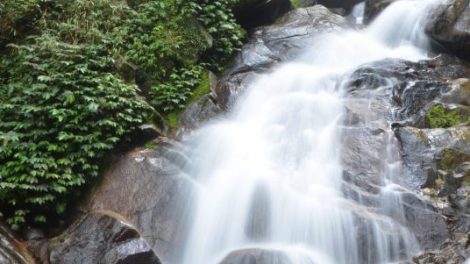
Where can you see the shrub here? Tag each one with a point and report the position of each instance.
(62, 110)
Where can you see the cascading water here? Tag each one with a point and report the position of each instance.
(270, 176)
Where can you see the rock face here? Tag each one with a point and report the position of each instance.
(147, 187)
(398, 93)
(436, 160)
(273, 44)
(98, 237)
(450, 27)
(11, 252)
(374, 7)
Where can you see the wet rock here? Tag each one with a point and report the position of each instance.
(450, 26)
(252, 13)
(260, 256)
(196, 114)
(362, 156)
(425, 221)
(460, 93)
(409, 87)
(424, 149)
(452, 252)
(272, 44)
(374, 7)
(347, 5)
(150, 190)
(305, 3)
(98, 237)
(11, 250)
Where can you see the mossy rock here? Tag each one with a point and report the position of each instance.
(452, 158)
(454, 166)
(204, 88)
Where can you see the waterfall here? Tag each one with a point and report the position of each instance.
(270, 176)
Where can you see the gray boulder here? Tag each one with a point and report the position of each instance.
(11, 250)
(450, 27)
(98, 237)
(280, 42)
(150, 190)
(262, 256)
(256, 256)
(374, 7)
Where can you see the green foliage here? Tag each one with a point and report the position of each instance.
(173, 118)
(165, 39)
(438, 116)
(85, 21)
(173, 94)
(62, 103)
(16, 17)
(162, 36)
(62, 110)
(217, 18)
(295, 3)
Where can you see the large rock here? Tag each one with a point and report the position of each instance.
(423, 151)
(149, 189)
(268, 256)
(256, 256)
(374, 7)
(204, 109)
(11, 250)
(98, 237)
(270, 45)
(409, 87)
(450, 26)
(382, 97)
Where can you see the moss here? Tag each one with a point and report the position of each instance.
(452, 158)
(151, 145)
(294, 3)
(440, 117)
(202, 89)
(173, 119)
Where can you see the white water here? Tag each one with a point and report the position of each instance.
(270, 175)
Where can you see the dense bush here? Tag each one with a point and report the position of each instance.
(165, 39)
(220, 23)
(63, 109)
(62, 102)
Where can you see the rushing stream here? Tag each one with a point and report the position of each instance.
(270, 175)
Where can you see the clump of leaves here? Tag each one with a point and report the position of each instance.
(161, 37)
(61, 110)
(218, 19)
(440, 117)
(173, 94)
(18, 17)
